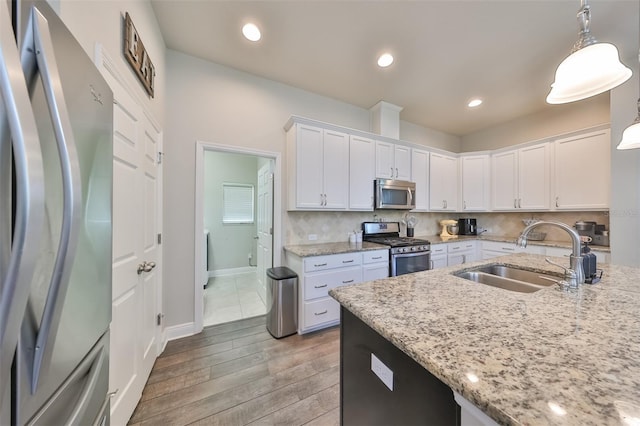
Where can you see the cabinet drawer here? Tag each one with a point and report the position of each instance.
(501, 247)
(375, 256)
(438, 249)
(321, 311)
(319, 263)
(318, 284)
(462, 246)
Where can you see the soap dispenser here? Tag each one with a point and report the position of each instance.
(589, 264)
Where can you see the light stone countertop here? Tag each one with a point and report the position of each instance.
(436, 239)
(515, 355)
(321, 249)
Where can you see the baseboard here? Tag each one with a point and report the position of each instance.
(232, 271)
(181, 330)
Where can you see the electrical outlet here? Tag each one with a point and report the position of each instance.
(384, 373)
(312, 237)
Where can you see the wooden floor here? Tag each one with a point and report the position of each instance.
(237, 374)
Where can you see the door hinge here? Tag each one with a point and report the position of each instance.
(159, 238)
(160, 154)
(159, 319)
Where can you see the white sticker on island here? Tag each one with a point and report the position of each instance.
(384, 373)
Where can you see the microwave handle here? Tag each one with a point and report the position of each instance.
(410, 196)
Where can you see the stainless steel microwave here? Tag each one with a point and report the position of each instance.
(394, 194)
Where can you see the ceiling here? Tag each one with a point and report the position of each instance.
(446, 52)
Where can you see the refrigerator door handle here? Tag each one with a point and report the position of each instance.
(72, 192)
(18, 244)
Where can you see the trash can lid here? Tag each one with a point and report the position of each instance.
(281, 273)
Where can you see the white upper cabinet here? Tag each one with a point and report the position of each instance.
(318, 168)
(520, 178)
(583, 171)
(361, 172)
(476, 182)
(393, 161)
(443, 182)
(420, 175)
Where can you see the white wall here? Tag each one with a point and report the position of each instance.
(561, 119)
(229, 244)
(625, 171)
(101, 21)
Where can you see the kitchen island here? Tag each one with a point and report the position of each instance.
(548, 357)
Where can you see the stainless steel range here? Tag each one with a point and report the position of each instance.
(407, 255)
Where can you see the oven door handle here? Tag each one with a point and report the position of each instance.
(414, 254)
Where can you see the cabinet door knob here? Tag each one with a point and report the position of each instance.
(557, 201)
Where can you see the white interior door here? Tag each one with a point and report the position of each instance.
(136, 283)
(265, 223)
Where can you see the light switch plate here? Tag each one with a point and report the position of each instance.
(384, 373)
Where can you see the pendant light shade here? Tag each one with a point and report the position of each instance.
(631, 135)
(592, 67)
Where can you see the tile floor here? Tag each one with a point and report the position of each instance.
(233, 297)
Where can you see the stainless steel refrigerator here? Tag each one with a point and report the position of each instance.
(55, 223)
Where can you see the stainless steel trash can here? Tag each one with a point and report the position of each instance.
(282, 301)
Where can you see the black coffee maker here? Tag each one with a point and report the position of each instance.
(467, 227)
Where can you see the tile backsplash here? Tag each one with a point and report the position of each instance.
(335, 226)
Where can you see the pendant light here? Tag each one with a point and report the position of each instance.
(592, 67)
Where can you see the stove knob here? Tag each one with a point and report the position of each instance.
(413, 248)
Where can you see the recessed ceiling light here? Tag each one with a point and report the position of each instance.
(385, 60)
(474, 103)
(251, 32)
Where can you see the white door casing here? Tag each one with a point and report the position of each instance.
(197, 325)
(136, 339)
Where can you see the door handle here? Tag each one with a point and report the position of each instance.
(146, 267)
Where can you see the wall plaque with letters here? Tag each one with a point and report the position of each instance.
(137, 55)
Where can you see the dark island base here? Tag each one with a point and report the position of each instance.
(418, 397)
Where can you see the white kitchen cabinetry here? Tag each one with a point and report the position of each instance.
(520, 178)
(361, 172)
(375, 265)
(420, 175)
(443, 182)
(601, 257)
(316, 276)
(492, 249)
(461, 252)
(393, 161)
(318, 168)
(438, 255)
(476, 182)
(583, 171)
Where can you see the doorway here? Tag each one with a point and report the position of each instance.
(236, 194)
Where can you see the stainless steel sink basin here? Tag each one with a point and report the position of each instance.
(508, 278)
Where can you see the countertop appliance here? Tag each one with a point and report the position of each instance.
(394, 194)
(598, 233)
(467, 227)
(56, 159)
(407, 255)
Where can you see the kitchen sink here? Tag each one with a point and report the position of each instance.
(508, 278)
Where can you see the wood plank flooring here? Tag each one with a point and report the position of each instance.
(238, 374)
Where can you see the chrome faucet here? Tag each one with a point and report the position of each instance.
(575, 273)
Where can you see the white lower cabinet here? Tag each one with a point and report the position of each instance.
(438, 256)
(492, 249)
(375, 265)
(453, 253)
(461, 252)
(319, 274)
(601, 257)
